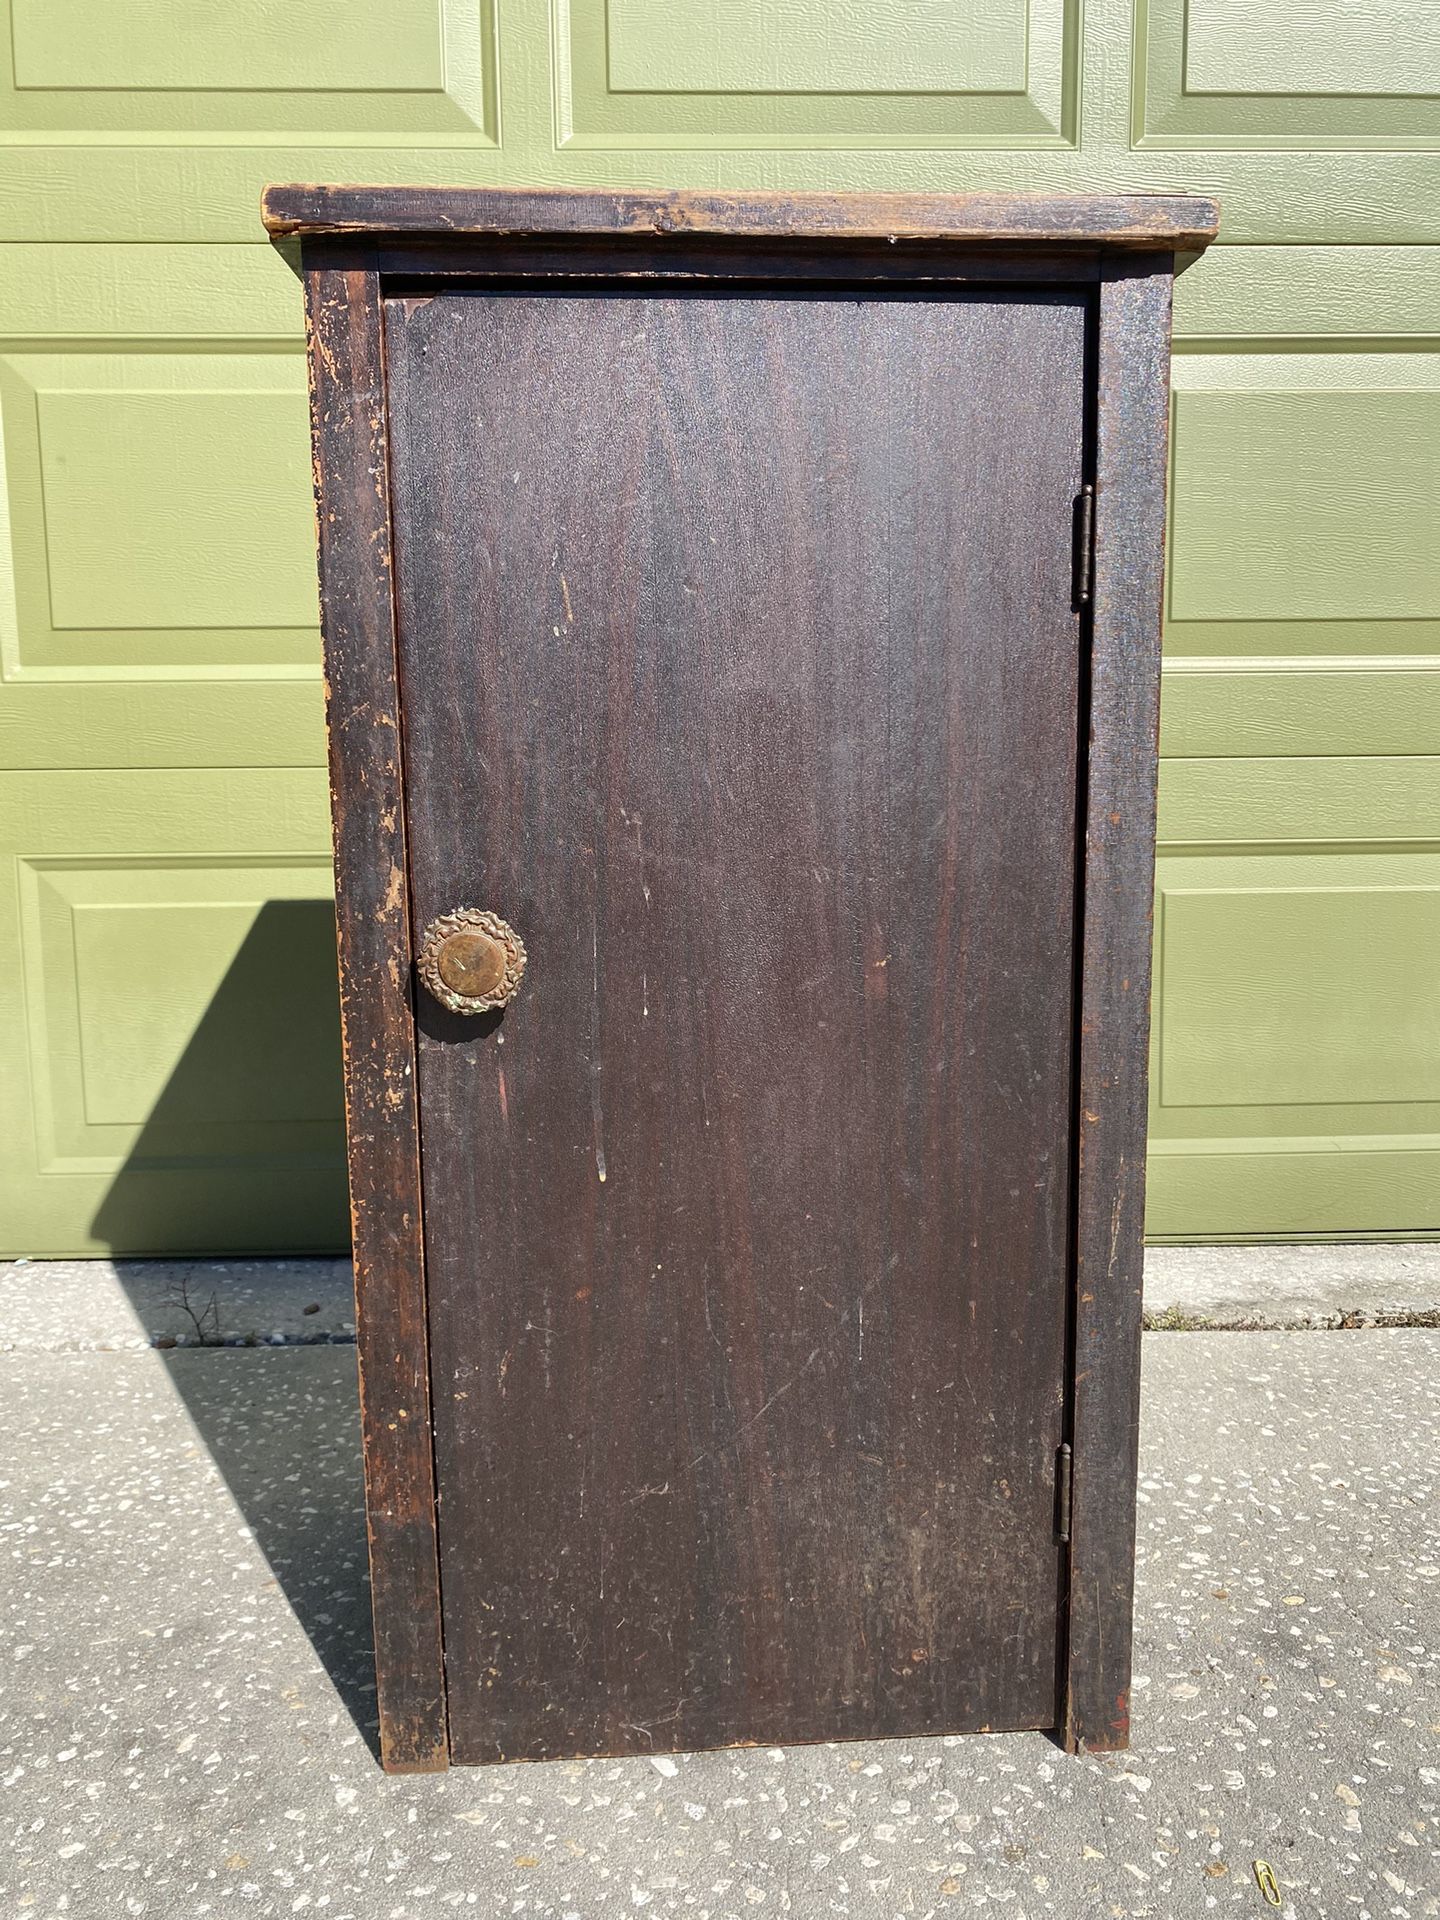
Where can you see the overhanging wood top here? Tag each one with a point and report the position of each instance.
(1158, 221)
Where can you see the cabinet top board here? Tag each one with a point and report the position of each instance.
(1168, 221)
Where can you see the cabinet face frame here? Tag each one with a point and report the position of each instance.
(356, 245)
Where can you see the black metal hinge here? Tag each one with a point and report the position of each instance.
(1062, 1490)
(1084, 544)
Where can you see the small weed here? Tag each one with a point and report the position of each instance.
(1174, 1320)
(205, 1318)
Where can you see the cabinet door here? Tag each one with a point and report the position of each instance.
(741, 674)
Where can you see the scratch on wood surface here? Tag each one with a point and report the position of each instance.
(760, 1412)
(647, 1493)
(832, 1336)
(597, 1115)
(1116, 1212)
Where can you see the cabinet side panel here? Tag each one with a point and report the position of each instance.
(362, 713)
(1132, 428)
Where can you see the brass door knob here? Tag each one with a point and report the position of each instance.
(471, 961)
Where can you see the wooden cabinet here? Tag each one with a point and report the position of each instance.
(742, 634)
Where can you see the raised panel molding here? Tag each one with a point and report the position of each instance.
(1306, 506)
(754, 46)
(740, 74)
(1382, 48)
(132, 700)
(1305, 497)
(161, 165)
(1295, 1036)
(198, 491)
(1228, 74)
(169, 1038)
(350, 46)
(128, 292)
(1245, 1190)
(160, 518)
(1295, 1031)
(161, 1031)
(1292, 297)
(1347, 800)
(1244, 1024)
(1306, 705)
(383, 69)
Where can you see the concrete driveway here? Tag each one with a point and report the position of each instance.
(185, 1691)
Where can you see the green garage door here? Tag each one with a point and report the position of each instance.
(168, 1045)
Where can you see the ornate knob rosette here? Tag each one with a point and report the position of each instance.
(471, 961)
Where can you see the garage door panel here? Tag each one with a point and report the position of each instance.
(1304, 1189)
(1295, 1033)
(1303, 982)
(396, 67)
(157, 506)
(1329, 708)
(1296, 1027)
(1305, 495)
(155, 498)
(169, 1013)
(157, 587)
(747, 77)
(1224, 74)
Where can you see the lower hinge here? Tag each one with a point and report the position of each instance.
(1062, 1490)
(1085, 544)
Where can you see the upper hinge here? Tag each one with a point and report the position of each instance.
(1063, 1477)
(1084, 544)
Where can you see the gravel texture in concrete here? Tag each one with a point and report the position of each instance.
(49, 1306)
(185, 1688)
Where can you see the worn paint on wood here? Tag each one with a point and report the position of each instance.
(1120, 220)
(371, 899)
(1119, 862)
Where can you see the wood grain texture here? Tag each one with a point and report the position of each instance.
(1169, 221)
(344, 319)
(740, 673)
(1132, 435)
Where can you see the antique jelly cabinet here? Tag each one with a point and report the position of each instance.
(742, 630)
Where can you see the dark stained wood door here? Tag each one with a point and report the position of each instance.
(740, 673)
